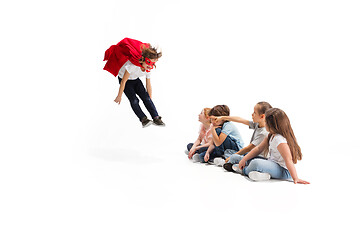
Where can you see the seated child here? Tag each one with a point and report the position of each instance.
(284, 151)
(224, 136)
(204, 139)
(258, 124)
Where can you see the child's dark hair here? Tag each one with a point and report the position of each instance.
(263, 107)
(220, 110)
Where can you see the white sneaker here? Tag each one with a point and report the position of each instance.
(258, 176)
(219, 161)
(196, 157)
(236, 168)
(186, 152)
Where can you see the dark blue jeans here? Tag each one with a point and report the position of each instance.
(200, 150)
(136, 87)
(219, 150)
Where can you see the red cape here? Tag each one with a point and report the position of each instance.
(117, 55)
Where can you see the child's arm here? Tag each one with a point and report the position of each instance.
(194, 147)
(231, 118)
(284, 150)
(209, 150)
(148, 87)
(122, 87)
(254, 152)
(217, 139)
(244, 150)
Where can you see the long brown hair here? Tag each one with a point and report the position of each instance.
(279, 123)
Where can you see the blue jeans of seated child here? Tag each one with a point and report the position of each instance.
(136, 87)
(266, 166)
(200, 150)
(219, 151)
(235, 158)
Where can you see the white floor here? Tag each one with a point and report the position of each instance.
(112, 191)
(74, 165)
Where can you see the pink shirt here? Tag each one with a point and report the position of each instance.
(205, 134)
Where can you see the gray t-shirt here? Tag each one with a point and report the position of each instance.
(258, 135)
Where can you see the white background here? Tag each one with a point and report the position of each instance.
(75, 165)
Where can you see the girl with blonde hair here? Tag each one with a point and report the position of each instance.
(204, 139)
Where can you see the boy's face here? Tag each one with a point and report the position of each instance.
(256, 116)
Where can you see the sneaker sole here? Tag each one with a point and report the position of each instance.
(258, 176)
(148, 124)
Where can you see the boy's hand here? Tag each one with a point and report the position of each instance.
(206, 157)
(216, 120)
(241, 164)
(118, 99)
(226, 160)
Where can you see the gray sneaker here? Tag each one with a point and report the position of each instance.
(219, 161)
(158, 122)
(196, 158)
(145, 122)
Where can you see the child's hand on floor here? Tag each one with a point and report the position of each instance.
(300, 181)
(206, 157)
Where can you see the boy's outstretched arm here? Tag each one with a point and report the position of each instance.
(231, 118)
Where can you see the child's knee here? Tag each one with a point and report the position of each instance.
(235, 158)
(134, 101)
(255, 165)
(189, 146)
(218, 131)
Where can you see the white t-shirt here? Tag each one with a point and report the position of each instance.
(135, 71)
(274, 153)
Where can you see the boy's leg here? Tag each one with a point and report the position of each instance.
(234, 160)
(134, 101)
(203, 149)
(229, 152)
(144, 96)
(266, 166)
(227, 144)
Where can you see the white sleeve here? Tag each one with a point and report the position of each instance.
(279, 139)
(129, 67)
